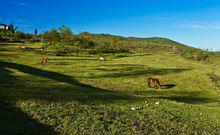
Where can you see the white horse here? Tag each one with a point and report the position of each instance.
(102, 59)
(23, 47)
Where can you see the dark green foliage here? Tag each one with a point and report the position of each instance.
(82, 42)
(35, 31)
(52, 36)
(66, 35)
(110, 44)
(107, 49)
(64, 42)
(6, 35)
(148, 45)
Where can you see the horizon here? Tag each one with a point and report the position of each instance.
(192, 24)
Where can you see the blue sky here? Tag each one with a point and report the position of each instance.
(193, 22)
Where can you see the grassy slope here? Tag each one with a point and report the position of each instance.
(76, 95)
(151, 45)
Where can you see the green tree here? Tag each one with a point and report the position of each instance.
(66, 35)
(35, 32)
(11, 28)
(53, 36)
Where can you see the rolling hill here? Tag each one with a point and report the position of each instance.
(81, 95)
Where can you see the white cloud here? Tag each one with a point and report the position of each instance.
(17, 3)
(201, 26)
(198, 26)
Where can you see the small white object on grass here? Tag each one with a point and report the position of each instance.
(146, 103)
(135, 108)
(102, 59)
(157, 103)
(22, 47)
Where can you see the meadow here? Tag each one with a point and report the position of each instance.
(81, 95)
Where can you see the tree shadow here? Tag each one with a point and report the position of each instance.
(66, 59)
(74, 91)
(5, 42)
(8, 55)
(143, 54)
(12, 120)
(15, 122)
(136, 70)
(192, 97)
(13, 88)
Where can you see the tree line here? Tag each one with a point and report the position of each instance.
(62, 41)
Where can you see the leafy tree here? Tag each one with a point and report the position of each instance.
(85, 35)
(52, 36)
(8, 35)
(18, 35)
(11, 34)
(66, 35)
(11, 28)
(35, 31)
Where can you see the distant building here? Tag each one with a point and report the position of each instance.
(4, 27)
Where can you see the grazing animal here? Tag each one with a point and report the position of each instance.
(23, 47)
(154, 82)
(44, 60)
(102, 59)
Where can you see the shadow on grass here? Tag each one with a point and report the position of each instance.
(13, 88)
(143, 54)
(5, 42)
(190, 99)
(193, 97)
(66, 59)
(135, 70)
(9, 55)
(168, 86)
(12, 120)
(76, 91)
(79, 59)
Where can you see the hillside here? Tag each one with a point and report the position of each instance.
(148, 45)
(81, 95)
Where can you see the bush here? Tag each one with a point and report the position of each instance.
(105, 49)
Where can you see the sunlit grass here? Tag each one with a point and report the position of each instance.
(81, 95)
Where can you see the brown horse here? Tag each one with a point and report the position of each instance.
(44, 60)
(154, 82)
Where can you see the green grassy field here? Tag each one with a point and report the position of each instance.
(81, 95)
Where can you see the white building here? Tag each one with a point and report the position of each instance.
(3, 27)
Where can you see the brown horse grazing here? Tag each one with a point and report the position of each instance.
(44, 60)
(155, 82)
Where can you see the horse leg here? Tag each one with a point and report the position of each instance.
(158, 86)
(46, 61)
(42, 62)
(149, 85)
